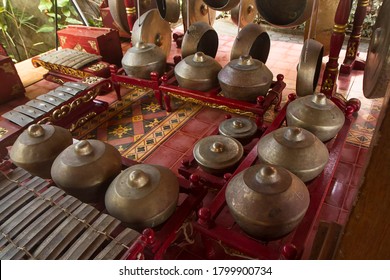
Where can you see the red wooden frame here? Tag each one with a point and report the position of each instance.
(296, 245)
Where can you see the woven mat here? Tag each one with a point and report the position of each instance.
(137, 125)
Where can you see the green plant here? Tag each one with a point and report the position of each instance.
(369, 20)
(66, 14)
(13, 22)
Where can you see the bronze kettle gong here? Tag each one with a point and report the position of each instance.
(86, 168)
(197, 72)
(317, 114)
(267, 201)
(245, 79)
(218, 154)
(295, 149)
(38, 146)
(142, 59)
(143, 195)
(241, 129)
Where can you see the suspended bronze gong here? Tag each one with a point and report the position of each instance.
(151, 28)
(321, 23)
(377, 70)
(285, 13)
(252, 40)
(169, 9)
(198, 11)
(222, 5)
(200, 37)
(119, 11)
(248, 12)
(309, 67)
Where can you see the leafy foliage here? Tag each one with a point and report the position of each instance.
(13, 22)
(369, 20)
(66, 14)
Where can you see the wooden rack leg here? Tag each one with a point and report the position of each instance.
(351, 60)
(330, 75)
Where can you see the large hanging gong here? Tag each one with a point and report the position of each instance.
(321, 23)
(198, 11)
(200, 37)
(248, 12)
(252, 40)
(119, 11)
(377, 70)
(169, 9)
(151, 28)
(222, 5)
(285, 13)
(309, 67)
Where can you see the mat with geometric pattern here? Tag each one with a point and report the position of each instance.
(138, 127)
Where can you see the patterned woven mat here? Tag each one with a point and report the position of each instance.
(137, 125)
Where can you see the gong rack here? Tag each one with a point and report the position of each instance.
(70, 105)
(215, 232)
(166, 86)
(119, 78)
(40, 221)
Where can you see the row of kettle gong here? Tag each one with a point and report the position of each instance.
(269, 199)
(244, 78)
(140, 196)
(299, 147)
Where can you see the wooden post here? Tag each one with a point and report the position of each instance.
(131, 12)
(351, 60)
(336, 42)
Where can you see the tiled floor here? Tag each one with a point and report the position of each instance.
(283, 57)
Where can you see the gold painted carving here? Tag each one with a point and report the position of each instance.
(339, 28)
(213, 105)
(91, 80)
(78, 47)
(62, 69)
(62, 40)
(8, 68)
(3, 131)
(93, 45)
(16, 89)
(351, 51)
(126, 85)
(130, 10)
(81, 121)
(67, 108)
(328, 84)
(57, 80)
(97, 67)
